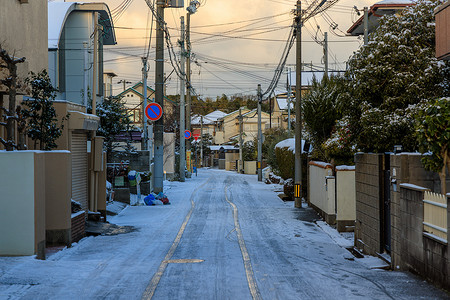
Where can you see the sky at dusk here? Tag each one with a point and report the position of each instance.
(235, 44)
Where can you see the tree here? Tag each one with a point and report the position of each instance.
(386, 84)
(42, 124)
(320, 111)
(114, 119)
(433, 136)
(249, 151)
(272, 137)
(13, 83)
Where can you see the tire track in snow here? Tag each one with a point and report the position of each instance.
(253, 286)
(151, 287)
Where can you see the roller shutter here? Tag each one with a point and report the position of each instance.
(80, 169)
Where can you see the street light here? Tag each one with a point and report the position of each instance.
(192, 8)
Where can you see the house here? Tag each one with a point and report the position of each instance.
(20, 39)
(71, 45)
(442, 14)
(41, 211)
(134, 100)
(78, 75)
(280, 111)
(227, 127)
(108, 83)
(379, 9)
(279, 105)
(209, 121)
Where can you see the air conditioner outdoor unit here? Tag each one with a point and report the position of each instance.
(175, 3)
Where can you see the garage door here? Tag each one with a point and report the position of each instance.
(80, 169)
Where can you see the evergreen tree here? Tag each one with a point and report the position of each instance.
(114, 119)
(390, 75)
(42, 124)
(320, 111)
(433, 136)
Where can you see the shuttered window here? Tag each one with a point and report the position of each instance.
(80, 169)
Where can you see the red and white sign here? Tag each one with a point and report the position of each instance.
(153, 111)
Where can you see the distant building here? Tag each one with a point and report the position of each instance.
(209, 122)
(227, 127)
(442, 14)
(376, 11)
(133, 98)
(108, 83)
(70, 48)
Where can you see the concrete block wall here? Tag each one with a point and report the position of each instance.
(78, 225)
(368, 186)
(406, 168)
(422, 254)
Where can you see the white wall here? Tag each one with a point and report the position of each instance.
(346, 195)
(17, 201)
(319, 190)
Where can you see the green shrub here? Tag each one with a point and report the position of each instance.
(286, 162)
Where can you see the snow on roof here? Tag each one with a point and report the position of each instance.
(290, 144)
(282, 103)
(224, 147)
(394, 2)
(209, 118)
(215, 115)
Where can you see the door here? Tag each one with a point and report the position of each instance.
(386, 209)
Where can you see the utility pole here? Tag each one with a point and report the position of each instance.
(366, 25)
(288, 87)
(95, 66)
(325, 52)
(159, 98)
(259, 166)
(188, 77)
(182, 105)
(144, 144)
(270, 111)
(86, 70)
(201, 141)
(298, 107)
(123, 81)
(241, 162)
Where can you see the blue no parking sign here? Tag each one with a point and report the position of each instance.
(153, 111)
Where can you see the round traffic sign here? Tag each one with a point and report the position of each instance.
(153, 111)
(187, 134)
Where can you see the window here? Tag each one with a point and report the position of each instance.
(135, 115)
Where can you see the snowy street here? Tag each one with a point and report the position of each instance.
(224, 236)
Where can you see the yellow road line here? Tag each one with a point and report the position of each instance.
(252, 285)
(151, 287)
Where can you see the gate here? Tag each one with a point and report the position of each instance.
(386, 208)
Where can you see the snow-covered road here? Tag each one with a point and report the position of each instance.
(225, 236)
